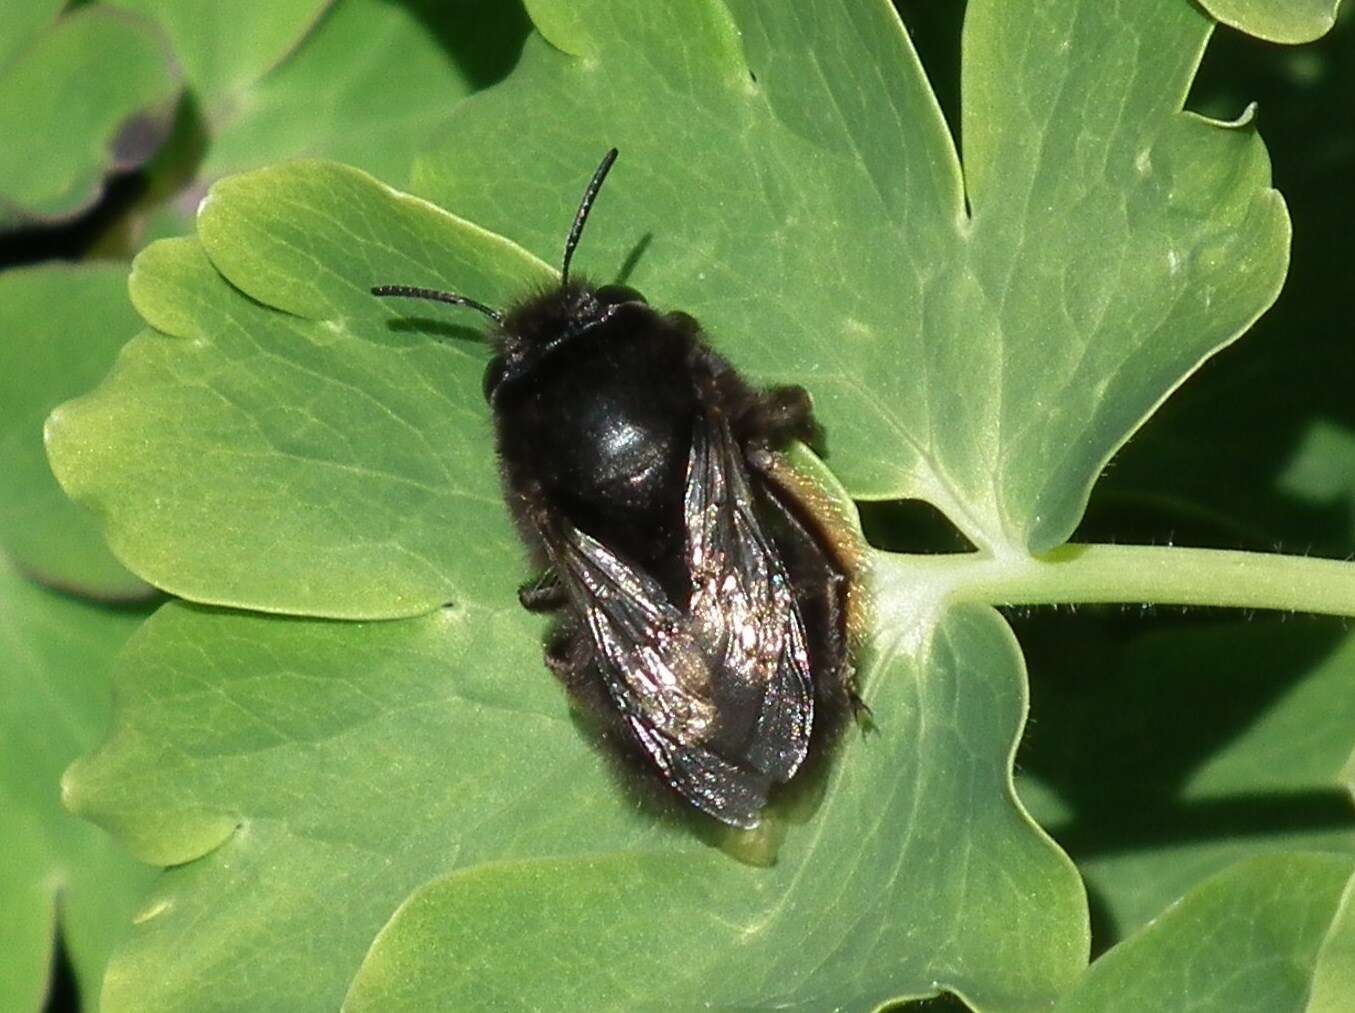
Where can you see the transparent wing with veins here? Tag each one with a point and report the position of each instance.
(743, 605)
(718, 694)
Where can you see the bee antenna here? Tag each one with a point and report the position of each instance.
(411, 292)
(581, 216)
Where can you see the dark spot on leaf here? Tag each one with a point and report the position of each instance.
(139, 137)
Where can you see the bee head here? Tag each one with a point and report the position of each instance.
(538, 326)
(543, 319)
(535, 326)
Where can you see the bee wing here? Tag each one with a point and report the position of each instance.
(743, 604)
(657, 675)
(720, 694)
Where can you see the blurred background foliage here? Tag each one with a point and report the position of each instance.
(1242, 749)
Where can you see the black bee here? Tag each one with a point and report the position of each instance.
(701, 590)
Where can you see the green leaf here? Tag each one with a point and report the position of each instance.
(418, 61)
(347, 449)
(1277, 20)
(60, 329)
(1193, 748)
(564, 27)
(341, 766)
(1004, 490)
(1248, 939)
(1256, 450)
(816, 223)
(419, 58)
(837, 921)
(55, 656)
(21, 23)
(1174, 746)
(301, 768)
(283, 441)
(62, 136)
(1334, 979)
(224, 48)
(1321, 471)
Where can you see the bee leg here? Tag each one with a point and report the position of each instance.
(782, 414)
(861, 712)
(772, 418)
(569, 656)
(545, 594)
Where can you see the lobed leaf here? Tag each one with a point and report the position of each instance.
(342, 766)
(376, 111)
(418, 61)
(224, 48)
(336, 441)
(293, 770)
(61, 139)
(1248, 939)
(1113, 240)
(787, 177)
(1204, 741)
(59, 873)
(60, 328)
(1256, 451)
(1277, 20)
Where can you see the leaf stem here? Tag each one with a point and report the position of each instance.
(1148, 574)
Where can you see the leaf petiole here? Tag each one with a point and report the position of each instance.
(1147, 574)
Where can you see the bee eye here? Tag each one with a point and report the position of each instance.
(494, 371)
(614, 295)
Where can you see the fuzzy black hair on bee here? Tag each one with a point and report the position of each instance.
(701, 596)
